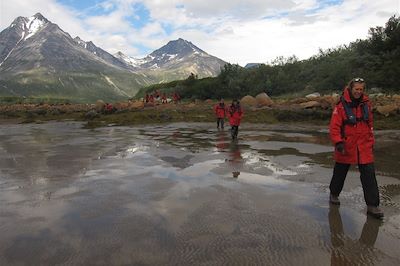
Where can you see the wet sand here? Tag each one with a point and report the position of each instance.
(185, 194)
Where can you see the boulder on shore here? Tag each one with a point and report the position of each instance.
(121, 105)
(313, 95)
(248, 101)
(387, 110)
(136, 105)
(99, 106)
(396, 99)
(310, 104)
(263, 100)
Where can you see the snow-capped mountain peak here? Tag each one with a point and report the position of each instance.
(32, 44)
(34, 24)
(134, 62)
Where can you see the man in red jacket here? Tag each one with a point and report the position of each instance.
(235, 114)
(351, 131)
(220, 113)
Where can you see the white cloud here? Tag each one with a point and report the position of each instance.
(231, 30)
(238, 9)
(113, 22)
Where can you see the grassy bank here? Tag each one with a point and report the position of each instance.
(186, 112)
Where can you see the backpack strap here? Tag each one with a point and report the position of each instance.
(351, 118)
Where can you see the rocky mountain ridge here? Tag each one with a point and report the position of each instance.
(38, 58)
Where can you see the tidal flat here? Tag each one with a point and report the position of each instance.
(186, 194)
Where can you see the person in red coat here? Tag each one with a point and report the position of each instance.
(220, 113)
(351, 131)
(235, 114)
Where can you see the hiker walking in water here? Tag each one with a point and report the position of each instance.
(351, 131)
(220, 113)
(235, 114)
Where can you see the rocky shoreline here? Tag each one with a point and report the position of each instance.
(314, 109)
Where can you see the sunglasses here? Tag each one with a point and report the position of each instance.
(358, 80)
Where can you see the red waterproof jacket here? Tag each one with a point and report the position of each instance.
(358, 138)
(235, 115)
(220, 110)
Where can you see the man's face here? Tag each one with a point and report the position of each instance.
(357, 90)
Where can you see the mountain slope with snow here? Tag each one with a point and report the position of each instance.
(37, 58)
(177, 59)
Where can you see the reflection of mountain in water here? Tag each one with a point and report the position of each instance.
(164, 195)
(40, 152)
(182, 163)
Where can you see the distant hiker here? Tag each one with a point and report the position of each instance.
(235, 114)
(147, 98)
(151, 99)
(108, 108)
(176, 97)
(164, 98)
(351, 131)
(220, 113)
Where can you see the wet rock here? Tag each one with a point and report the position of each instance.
(99, 105)
(328, 101)
(55, 111)
(248, 101)
(91, 114)
(310, 104)
(263, 100)
(387, 110)
(136, 105)
(396, 97)
(376, 95)
(375, 90)
(313, 95)
(296, 101)
(121, 105)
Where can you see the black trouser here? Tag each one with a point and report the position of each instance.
(234, 131)
(220, 121)
(368, 181)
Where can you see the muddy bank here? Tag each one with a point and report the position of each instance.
(185, 194)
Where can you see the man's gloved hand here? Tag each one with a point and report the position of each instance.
(340, 147)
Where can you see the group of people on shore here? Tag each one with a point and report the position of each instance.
(351, 132)
(163, 98)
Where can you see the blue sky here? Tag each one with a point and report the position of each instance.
(236, 31)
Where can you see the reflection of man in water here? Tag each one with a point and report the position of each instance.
(235, 159)
(221, 144)
(346, 251)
